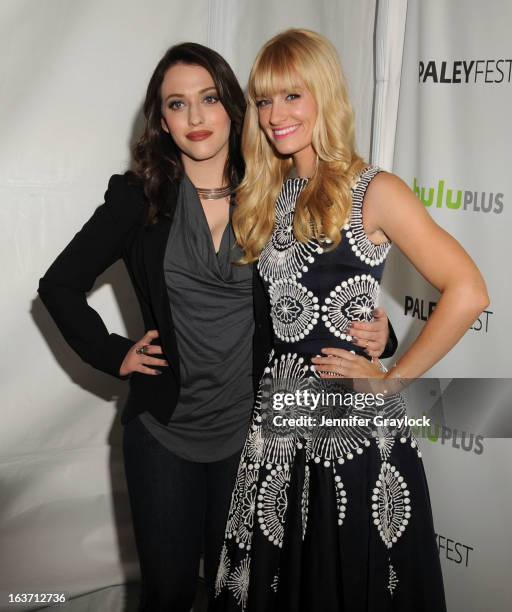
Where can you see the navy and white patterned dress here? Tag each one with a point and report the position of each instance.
(326, 519)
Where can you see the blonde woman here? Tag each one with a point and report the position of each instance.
(337, 519)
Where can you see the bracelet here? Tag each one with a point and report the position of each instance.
(398, 375)
(382, 367)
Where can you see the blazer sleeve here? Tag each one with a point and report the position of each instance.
(391, 344)
(94, 248)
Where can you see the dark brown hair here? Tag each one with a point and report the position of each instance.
(157, 158)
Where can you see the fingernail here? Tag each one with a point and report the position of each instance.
(158, 371)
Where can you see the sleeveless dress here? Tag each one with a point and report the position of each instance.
(326, 518)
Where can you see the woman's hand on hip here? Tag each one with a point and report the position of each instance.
(339, 363)
(139, 357)
(372, 336)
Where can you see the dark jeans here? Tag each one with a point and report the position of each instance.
(179, 509)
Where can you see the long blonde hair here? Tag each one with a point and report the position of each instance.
(291, 59)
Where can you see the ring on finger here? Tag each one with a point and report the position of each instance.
(142, 350)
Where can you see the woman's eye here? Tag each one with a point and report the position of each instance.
(211, 99)
(292, 96)
(262, 103)
(175, 104)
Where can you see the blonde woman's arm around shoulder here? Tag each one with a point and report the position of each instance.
(391, 207)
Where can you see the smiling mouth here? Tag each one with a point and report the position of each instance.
(284, 132)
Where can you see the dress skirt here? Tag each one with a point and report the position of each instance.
(331, 514)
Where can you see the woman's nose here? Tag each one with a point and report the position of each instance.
(195, 114)
(277, 113)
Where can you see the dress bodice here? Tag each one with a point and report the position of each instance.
(314, 292)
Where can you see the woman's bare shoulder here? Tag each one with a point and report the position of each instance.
(387, 190)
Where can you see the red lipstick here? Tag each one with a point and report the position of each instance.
(199, 135)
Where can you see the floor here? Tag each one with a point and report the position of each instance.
(121, 598)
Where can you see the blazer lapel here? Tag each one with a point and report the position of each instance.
(154, 244)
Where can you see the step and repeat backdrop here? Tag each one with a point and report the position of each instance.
(452, 147)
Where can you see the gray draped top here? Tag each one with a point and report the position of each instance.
(212, 310)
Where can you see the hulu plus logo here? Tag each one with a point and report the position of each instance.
(461, 440)
(442, 196)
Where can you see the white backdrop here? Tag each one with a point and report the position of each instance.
(453, 146)
(453, 141)
(73, 78)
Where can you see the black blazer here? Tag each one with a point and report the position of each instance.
(117, 230)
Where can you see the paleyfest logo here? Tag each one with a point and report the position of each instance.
(465, 72)
(442, 196)
(421, 309)
(454, 551)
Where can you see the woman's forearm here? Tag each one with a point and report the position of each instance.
(458, 308)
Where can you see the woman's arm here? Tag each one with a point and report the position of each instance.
(94, 248)
(393, 209)
(440, 259)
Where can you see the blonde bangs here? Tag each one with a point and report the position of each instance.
(274, 71)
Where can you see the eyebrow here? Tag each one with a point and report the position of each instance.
(281, 91)
(201, 91)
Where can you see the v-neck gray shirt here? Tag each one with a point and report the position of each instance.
(212, 310)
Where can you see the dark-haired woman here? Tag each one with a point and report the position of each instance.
(191, 375)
